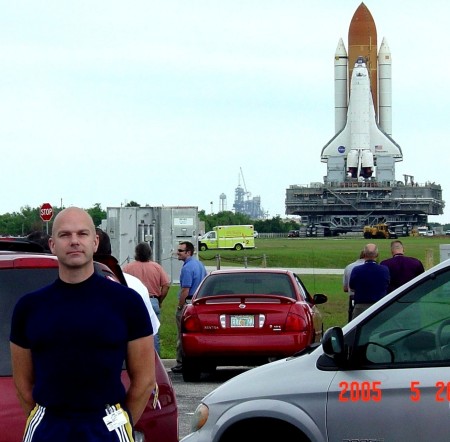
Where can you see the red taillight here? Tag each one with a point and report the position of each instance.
(191, 324)
(295, 323)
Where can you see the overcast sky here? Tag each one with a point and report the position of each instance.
(164, 102)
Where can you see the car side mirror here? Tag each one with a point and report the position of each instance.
(320, 299)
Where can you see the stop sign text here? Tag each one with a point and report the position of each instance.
(46, 212)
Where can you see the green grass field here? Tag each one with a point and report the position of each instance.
(322, 252)
(300, 253)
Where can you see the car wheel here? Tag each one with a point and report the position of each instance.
(203, 247)
(191, 370)
(238, 247)
(210, 368)
(263, 430)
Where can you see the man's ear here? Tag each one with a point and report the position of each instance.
(51, 245)
(96, 243)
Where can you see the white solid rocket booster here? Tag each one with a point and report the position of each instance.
(385, 88)
(340, 87)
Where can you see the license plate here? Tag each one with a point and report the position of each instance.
(242, 321)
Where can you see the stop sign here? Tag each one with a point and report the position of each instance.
(46, 212)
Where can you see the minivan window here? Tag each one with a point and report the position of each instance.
(415, 328)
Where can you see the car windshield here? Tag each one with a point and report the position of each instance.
(247, 284)
(13, 284)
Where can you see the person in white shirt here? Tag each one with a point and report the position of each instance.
(103, 254)
(346, 279)
(136, 284)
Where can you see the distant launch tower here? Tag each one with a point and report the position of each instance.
(360, 187)
(245, 203)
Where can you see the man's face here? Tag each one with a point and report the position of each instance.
(74, 240)
(182, 253)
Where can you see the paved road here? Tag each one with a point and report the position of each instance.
(189, 394)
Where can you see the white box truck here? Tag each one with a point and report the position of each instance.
(228, 237)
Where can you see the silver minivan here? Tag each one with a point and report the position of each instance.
(384, 377)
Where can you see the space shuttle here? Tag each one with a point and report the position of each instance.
(362, 148)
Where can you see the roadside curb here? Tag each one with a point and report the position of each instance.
(169, 363)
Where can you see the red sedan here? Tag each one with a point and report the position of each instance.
(248, 317)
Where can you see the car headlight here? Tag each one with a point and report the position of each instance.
(199, 417)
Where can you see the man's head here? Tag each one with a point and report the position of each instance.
(74, 242)
(104, 243)
(104, 255)
(396, 247)
(370, 252)
(143, 252)
(185, 250)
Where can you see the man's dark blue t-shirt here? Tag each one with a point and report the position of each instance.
(78, 336)
(369, 282)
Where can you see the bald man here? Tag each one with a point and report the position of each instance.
(369, 281)
(69, 341)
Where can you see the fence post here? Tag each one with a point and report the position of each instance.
(264, 261)
(245, 261)
(429, 259)
(218, 262)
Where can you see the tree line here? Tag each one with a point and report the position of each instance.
(28, 220)
(270, 225)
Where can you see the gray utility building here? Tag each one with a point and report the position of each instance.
(162, 227)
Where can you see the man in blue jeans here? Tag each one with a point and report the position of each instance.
(192, 274)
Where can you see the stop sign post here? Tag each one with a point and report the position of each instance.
(46, 213)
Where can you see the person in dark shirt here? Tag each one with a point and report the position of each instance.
(369, 281)
(69, 341)
(401, 268)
